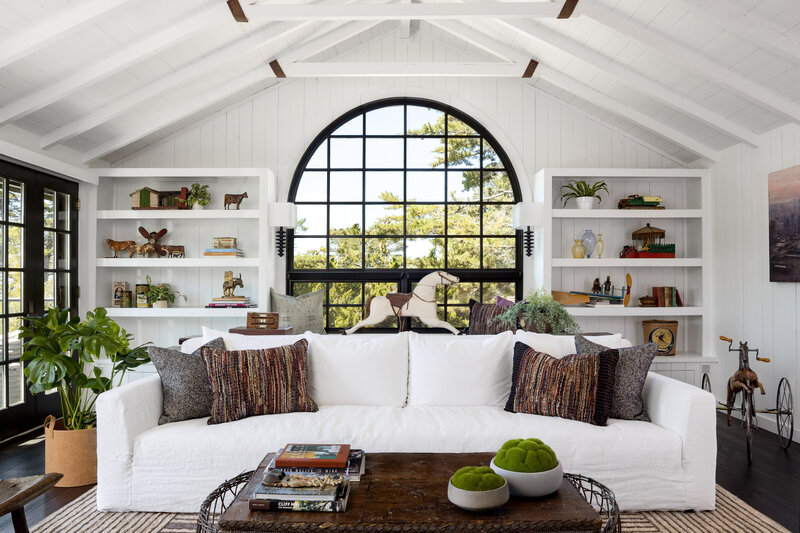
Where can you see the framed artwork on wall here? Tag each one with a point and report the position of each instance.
(784, 225)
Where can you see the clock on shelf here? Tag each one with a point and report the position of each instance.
(662, 333)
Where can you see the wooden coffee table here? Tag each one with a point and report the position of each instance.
(408, 492)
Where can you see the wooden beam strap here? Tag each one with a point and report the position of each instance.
(531, 68)
(237, 11)
(276, 69)
(567, 9)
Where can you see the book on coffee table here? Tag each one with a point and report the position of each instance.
(356, 466)
(339, 505)
(313, 456)
(325, 493)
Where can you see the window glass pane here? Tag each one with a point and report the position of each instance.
(343, 317)
(15, 191)
(2, 199)
(424, 121)
(16, 384)
(49, 207)
(463, 185)
(384, 186)
(425, 253)
(345, 293)
(2, 297)
(62, 211)
(49, 290)
(463, 253)
(463, 219)
(320, 157)
(385, 121)
(345, 219)
(313, 187)
(425, 186)
(14, 340)
(354, 126)
(458, 317)
(380, 289)
(384, 153)
(14, 297)
(49, 249)
(463, 152)
(505, 290)
(463, 292)
(499, 252)
(384, 219)
(62, 291)
(62, 250)
(312, 220)
(346, 153)
(425, 153)
(497, 220)
(310, 254)
(346, 186)
(2, 387)
(490, 157)
(458, 127)
(15, 247)
(345, 253)
(384, 253)
(299, 288)
(425, 219)
(497, 187)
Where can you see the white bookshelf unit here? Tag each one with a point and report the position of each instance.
(197, 277)
(686, 220)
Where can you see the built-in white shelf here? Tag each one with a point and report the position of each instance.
(178, 312)
(619, 310)
(627, 213)
(681, 357)
(628, 263)
(176, 262)
(180, 214)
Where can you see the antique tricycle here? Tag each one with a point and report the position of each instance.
(745, 380)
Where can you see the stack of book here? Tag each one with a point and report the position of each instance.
(667, 297)
(223, 252)
(231, 301)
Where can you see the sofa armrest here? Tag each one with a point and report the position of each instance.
(691, 413)
(123, 413)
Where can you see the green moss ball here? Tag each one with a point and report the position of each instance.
(477, 478)
(526, 455)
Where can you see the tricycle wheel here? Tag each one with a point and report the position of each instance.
(706, 383)
(748, 414)
(785, 413)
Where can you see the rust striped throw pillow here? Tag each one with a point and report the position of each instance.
(481, 319)
(578, 387)
(258, 382)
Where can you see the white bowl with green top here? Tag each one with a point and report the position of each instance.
(531, 484)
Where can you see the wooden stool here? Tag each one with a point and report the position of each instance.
(16, 492)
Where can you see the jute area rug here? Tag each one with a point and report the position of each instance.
(731, 515)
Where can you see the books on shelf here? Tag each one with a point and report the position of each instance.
(223, 252)
(313, 455)
(231, 299)
(667, 297)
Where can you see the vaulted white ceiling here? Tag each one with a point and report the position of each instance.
(104, 77)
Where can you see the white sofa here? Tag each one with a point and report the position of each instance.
(407, 393)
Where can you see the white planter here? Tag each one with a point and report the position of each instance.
(477, 500)
(531, 484)
(197, 207)
(161, 304)
(585, 202)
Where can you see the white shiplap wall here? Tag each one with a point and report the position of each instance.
(747, 305)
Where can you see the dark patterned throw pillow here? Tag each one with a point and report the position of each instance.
(481, 319)
(258, 382)
(184, 382)
(577, 387)
(631, 373)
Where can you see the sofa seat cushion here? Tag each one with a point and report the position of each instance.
(175, 466)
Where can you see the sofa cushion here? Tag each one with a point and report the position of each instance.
(184, 382)
(258, 382)
(303, 313)
(556, 345)
(365, 369)
(577, 387)
(482, 319)
(236, 341)
(629, 377)
(458, 370)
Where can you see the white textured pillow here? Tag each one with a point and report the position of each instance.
(190, 345)
(556, 345)
(366, 369)
(609, 341)
(235, 341)
(459, 370)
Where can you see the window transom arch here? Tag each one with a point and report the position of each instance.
(397, 188)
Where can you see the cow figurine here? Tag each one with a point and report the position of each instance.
(174, 250)
(141, 249)
(744, 379)
(234, 199)
(119, 246)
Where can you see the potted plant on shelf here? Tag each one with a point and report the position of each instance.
(199, 197)
(583, 193)
(160, 295)
(62, 353)
(540, 313)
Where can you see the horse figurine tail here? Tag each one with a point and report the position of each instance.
(367, 306)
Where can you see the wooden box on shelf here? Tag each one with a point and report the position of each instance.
(262, 320)
(282, 330)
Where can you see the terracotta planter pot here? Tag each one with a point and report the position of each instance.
(72, 453)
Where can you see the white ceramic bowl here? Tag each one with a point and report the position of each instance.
(531, 484)
(477, 500)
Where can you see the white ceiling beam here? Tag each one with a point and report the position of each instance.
(602, 100)
(431, 69)
(250, 44)
(633, 79)
(751, 27)
(405, 26)
(186, 109)
(684, 56)
(113, 63)
(19, 154)
(428, 11)
(58, 26)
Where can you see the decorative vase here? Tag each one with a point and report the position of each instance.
(600, 245)
(70, 452)
(585, 202)
(477, 500)
(589, 241)
(578, 249)
(531, 484)
(161, 304)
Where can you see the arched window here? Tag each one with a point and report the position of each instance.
(393, 190)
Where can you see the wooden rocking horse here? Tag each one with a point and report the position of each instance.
(420, 303)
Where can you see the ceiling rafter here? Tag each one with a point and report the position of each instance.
(110, 64)
(405, 25)
(411, 69)
(247, 45)
(633, 79)
(58, 26)
(684, 56)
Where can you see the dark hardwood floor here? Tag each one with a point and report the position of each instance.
(771, 484)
